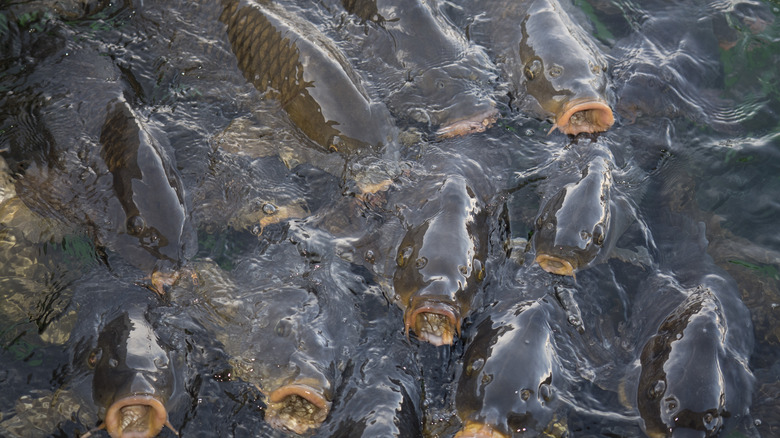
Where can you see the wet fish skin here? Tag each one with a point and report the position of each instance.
(576, 225)
(443, 83)
(154, 228)
(292, 62)
(133, 378)
(553, 65)
(511, 372)
(440, 262)
(689, 383)
(694, 348)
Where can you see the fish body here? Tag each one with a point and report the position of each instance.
(99, 167)
(291, 61)
(554, 67)
(440, 262)
(153, 226)
(443, 83)
(693, 349)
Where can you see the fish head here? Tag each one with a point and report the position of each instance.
(564, 72)
(571, 230)
(682, 386)
(133, 377)
(449, 97)
(440, 264)
(497, 399)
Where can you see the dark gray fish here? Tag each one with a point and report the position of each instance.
(689, 382)
(99, 167)
(553, 65)
(155, 221)
(440, 262)
(289, 60)
(511, 373)
(693, 347)
(134, 377)
(441, 83)
(288, 336)
(583, 220)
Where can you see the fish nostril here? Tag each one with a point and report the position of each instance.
(533, 69)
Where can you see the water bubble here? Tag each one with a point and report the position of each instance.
(269, 208)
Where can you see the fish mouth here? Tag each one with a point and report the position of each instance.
(476, 123)
(555, 265)
(297, 407)
(587, 116)
(136, 416)
(478, 430)
(432, 321)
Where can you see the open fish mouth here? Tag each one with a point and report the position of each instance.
(433, 322)
(580, 116)
(136, 416)
(476, 123)
(478, 430)
(555, 265)
(296, 407)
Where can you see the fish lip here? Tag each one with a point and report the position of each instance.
(598, 117)
(113, 419)
(476, 123)
(555, 265)
(473, 429)
(276, 404)
(419, 307)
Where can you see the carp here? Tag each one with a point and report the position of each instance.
(440, 262)
(134, 377)
(441, 83)
(575, 224)
(100, 167)
(286, 338)
(554, 67)
(511, 373)
(289, 60)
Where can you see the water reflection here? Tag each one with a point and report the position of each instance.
(320, 246)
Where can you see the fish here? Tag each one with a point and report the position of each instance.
(285, 338)
(440, 262)
(575, 225)
(153, 227)
(689, 383)
(102, 169)
(133, 377)
(553, 66)
(445, 83)
(292, 62)
(693, 348)
(511, 373)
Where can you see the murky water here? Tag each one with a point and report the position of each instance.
(292, 258)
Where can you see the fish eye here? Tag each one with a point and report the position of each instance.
(533, 69)
(598, 234)
(135, 225)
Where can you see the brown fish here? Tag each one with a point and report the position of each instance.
(292, 62)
